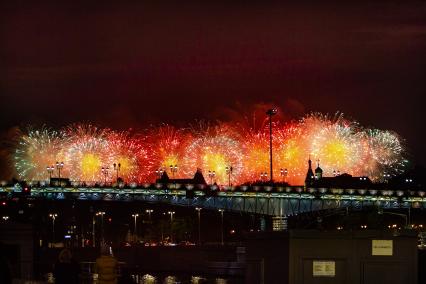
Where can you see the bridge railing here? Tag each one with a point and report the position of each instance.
(203, 189)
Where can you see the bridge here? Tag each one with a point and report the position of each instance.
(264, 200)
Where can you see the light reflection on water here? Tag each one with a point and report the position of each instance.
(151, 279)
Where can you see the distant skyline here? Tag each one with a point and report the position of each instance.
(129, 65)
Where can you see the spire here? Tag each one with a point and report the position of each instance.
(309, 174)
(318, 171)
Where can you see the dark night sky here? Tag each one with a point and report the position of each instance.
(131, 64)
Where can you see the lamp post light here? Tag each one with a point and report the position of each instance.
(173, 170)
(135, 216)
(149, 211)
(221, 214)
(59, 167)
(159, 172)
(105, 173)
(53, 217)
(283, 173)
(171, 213)
(117, 168)
(386, 177)
(199, 224)
(101, 213)
(212, 174)
(50, 170)
(263, 176)
(270, 112)
(229, 173)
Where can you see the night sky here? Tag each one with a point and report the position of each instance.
(130, 65)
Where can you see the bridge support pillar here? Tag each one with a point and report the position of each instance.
(279, 223)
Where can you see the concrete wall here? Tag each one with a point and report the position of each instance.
(279, 257)
(351, 253)
(18, 241)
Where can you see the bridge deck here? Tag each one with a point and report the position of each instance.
(265, 200)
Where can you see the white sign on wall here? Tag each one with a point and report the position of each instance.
(382, 247)
(323, 268)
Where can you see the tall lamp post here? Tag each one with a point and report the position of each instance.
(135, 217)
(53, 217)
(105, 173)
(149, 211)
(101, 213)
(93, 231)
(212, 174)
(221, 233)
(173, 170)
(229, 173)
(59, 167)
(199, 224)
(171, 213)
(270, 112)
(159, 173)
(284, 173)
(50, 170)
(117, 168)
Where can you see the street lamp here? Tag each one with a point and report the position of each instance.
(199, 224)
(149, 211)
(270, 112)
(93, 231)
(405, 216)
(171, 213)
(50, 170)
(283, 173)
(212, 174)
(173, 170)
(105, 173)
(229, 173)
(53, 217)
(159, 173)
(59, 167)
(101, 213)
(221, 214)
(117, 168)
(386, 177)
(135, 216)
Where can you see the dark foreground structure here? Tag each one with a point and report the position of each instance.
(344, 257)
(295, 256)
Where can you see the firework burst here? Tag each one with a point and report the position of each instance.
(338, 144)
(215, 150)
(37, 149)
